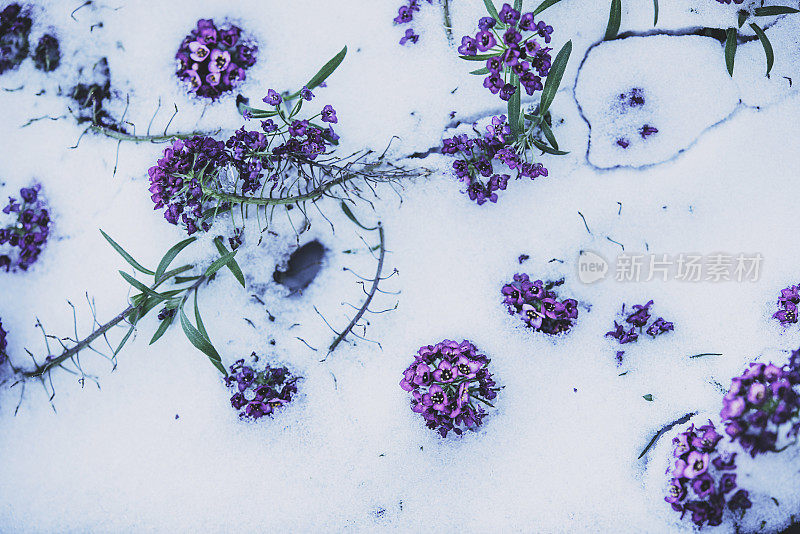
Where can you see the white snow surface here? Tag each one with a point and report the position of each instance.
(158, 447)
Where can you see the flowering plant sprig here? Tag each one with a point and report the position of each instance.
(732, 33)
(262, 392)
(182, 283)
(538, 306)
(703, 477)
(762, 407)
(639, 319)
(28, 232)
(447, 380)
(212, 60)
(788, 302)
(14, 30)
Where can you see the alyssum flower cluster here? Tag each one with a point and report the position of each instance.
(538, 306)
(513, 55)
(704, 477)
(448, 381)
(213, 60)
(788, 302)
(28, 231)
(639, 319)
(405, 14)
(260, 393)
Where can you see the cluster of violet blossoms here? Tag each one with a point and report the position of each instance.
(176, 182)
(404, 16)
(762, 406)
(538, 307)
(510, 53)
(3, 343)
(639, 319)
(788, 302)
(14, 30)
(445, 379)
(212, 60)
(475, 166)
(260, 393)
(29, 231)
(703, 477)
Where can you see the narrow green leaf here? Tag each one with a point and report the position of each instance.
(479, 57)
(480, 72)
(553, 80)
(549, 150)
(140, 286)
(514, 108)
(233, 266)
(255, 113)
(730, 49)
(774, 10)
(220, 263)
(544, 5)
(327, 69)
(614, 20)
(743, 17)
(124, 340)
(655, 12)
(766, 44)
(346, 210)
(169, 274)
(201, 343)
(200, 326)
(184, 279)
(170, 255)
(133, 263)
(162, 328)
(517, 5)
(491, 9)
(548, 134)
(648, 397)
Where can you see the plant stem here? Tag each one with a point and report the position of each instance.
(314, 194)
(370, 295)
(448, 23)
(122, 136)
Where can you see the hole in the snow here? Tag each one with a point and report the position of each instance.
(303, 266)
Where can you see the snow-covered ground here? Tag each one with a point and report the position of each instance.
(158, 448)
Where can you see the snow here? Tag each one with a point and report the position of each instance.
(559, 454)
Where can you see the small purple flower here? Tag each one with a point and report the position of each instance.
(696, 464)
(329, 114)
(409, 36)
(509, 15)
(199, 51)
(507, 92)
(219, 60)
(647, 130)
(485, 40)
(404, 15)
(273, 98)
(468, 46)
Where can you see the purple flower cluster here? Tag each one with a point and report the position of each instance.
(3, 343)
(176, 181)
(475, 166)
(260, 393)
(445, 379)
(538, 306)
(729, 1)
(14, 30)
(28, 232)
(510, 52)
(212, 60)
(404, 16)
(704, 477)
(762, 405)
(788, 302)
(638, 319)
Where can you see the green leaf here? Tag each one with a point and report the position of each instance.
(548, 134)
(648, 397)
(220, 263)
(480, 72)
(140, 286)
(170, 255)
(233, 266)
(730, 49)
(479, 57)
(544, 5)
(514, 106)
(517, 5)
(124, 340)
(200, 326)
(255, 113)
(201, 343)
(327, 70)
(133, 263)
(553, 80)
(491, 9)
(774, 10)
(655, 11)
(766, 44)
(346, 210)
(165, 323)
(549, 150)
(743, 17)
(614, 20)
